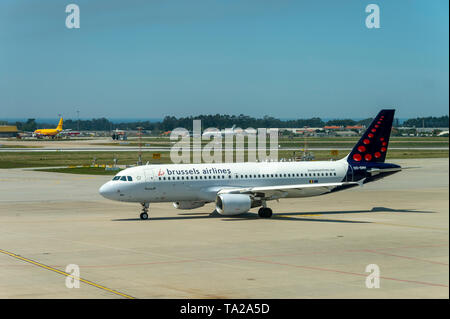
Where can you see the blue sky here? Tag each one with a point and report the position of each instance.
(281, 58)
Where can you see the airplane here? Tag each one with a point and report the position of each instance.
(237, 187)
(52, 132)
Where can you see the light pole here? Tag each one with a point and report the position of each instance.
(140, 145)
(78, 123)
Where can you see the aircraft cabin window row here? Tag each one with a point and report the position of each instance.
(123, 178)
(247, 176)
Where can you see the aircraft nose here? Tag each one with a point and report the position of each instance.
(107, 190)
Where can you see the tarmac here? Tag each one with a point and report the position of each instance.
(107, 145)
(317, 247)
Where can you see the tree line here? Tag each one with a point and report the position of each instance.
(429, 121)
(221, 122)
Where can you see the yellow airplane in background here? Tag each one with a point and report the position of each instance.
(50, 131)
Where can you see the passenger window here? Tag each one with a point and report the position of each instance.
(123, 178)
(130, 179)
(164, 178)
(229, 176)
(159, 178)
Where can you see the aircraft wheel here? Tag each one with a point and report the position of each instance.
(265, 212)
(144, 216)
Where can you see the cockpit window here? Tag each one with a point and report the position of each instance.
(123, 178)
(130, 179)
(116, 178)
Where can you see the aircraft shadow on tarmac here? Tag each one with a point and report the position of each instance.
(298, 216)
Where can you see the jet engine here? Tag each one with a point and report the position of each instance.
(233, 204)
(188, 205)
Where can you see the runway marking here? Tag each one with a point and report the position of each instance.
(65, 274)
(379, 223)
(271, 255)
(411, 226)
(407, 257)
(298, 216)
(343, 272)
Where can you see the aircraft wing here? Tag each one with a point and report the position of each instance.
(280, 191)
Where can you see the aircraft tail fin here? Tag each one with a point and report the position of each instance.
(373, 145)
(60, 124)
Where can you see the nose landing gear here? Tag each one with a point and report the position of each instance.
(144, 214)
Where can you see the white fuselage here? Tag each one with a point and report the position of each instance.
(201, 182)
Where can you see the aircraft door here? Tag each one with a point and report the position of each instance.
(149, 175)
(152, 189)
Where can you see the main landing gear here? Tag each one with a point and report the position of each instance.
(144, 214)
(265, 212)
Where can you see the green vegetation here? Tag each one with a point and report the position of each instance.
(81, 170)
(299, 142)
(18, 146)
(429, 121)
(54, 159)
(319, 155)
(220, 121)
